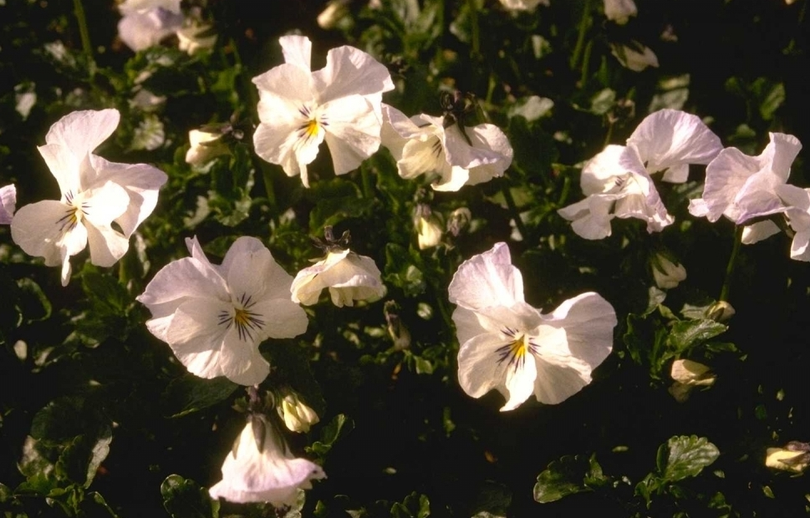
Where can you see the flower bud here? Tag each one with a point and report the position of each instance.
(205, 146)
(620, 11)
(635, 56)
(335, 11)
(297, 416)
(428, 231)
(689, 374)
(794, 457)
(459, 219)
(667, 274)
(720, 311)
(194, 38)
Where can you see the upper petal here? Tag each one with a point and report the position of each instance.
(40, 229)
(352, 131)
(82, 131)
(588, 321)
(487, 279)
(350, 71)
(671, 138)
(297, 50)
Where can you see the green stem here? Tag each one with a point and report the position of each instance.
(586, 62)
(732, 264)
(368, 186)
(513, 210)
(78, 10)
(583, 28)
(476, 36)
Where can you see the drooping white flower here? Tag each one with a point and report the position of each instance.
(348, 276)
(95, 193)
(742, 187)
(146, 22)
(423, 145)
(620, 11)
(688, 375)
(261, 468)
(339, 103)
(634, 56)
(618, 181)
(523, 5)
(666, 272)
(205, 146)
(8, 202)
(508, 345)
(215, 316)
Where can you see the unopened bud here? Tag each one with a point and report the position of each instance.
(794, 457)
(205, 146)
(297, 416)
(667, 273)
(687, 375)
(720, 311)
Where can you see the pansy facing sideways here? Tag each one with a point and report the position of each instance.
(423, 145)
(8, 201)
(95, 194)
(215, 316)
(508, 345)
(260, 468)
(742, 187)
(348, 276)
(618, 181)
(146, 22)
(339, 103)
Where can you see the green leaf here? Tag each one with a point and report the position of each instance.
(184, 498)
(414, 506)
(688, 455)
(688, 333)
(33, 303)
(562, 478)
(189, 394)
(338, 427)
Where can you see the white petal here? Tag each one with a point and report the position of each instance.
(198, 340)
(780, 153)
(725, 176)
(600, 173)
(82, 131)
(620, 11)
(350, 71)
(452, 178)
(8, 203)
(556, 382)
(141, 183)
(107, 246)
(353, 131)
(419, 157)
(64, 165)
(487, 279)
(757, 197)
(799, 248)
(297, 50)
(282, 85)
(590, 218)
(282, 318)
(588, 321)
(671, 139)
(468, 324)
(308, 283)
(758, 231)
(40, 230)
(489, 146)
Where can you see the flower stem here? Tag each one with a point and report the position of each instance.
(732, 264)
(368, 185)
(583, 28)
(78, 10)
(513, 210)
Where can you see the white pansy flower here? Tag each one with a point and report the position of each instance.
(146, 22)
(667, 273)
(192, 38)
(634, 56)
(523, 5)
(620, 11)
(8, 202)
(618, 181)
(205, 146)
(261, 468)
(423, 145)
(742, 187)
(339, 104)
(688, 375)
(348, 276)
(508, 345)
(215, 316)
(297, 416)
(95, 193)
